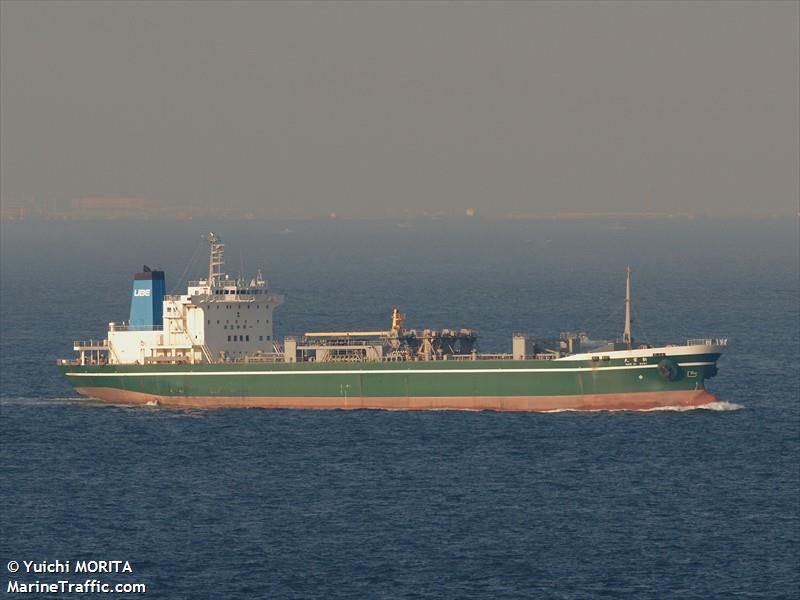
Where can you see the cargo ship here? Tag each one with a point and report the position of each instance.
(213, 347)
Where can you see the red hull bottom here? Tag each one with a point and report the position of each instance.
(631, 401)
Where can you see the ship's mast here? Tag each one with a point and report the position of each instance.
(626, 336)
(215, 261)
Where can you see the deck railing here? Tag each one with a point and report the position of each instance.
(707, 342)
(78, 344)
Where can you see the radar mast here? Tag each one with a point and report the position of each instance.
(215, 260)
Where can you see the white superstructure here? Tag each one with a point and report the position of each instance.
(218, 319)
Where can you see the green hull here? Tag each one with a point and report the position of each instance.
(498, 384)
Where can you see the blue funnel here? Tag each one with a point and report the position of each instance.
(146, 302)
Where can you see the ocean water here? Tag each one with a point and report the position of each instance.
(392, 504)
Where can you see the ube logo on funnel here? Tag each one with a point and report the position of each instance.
(147, 299)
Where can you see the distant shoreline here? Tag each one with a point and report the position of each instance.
(9, 216)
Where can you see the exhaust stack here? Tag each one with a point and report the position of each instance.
(147, 299)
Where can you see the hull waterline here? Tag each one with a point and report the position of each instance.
(583, 402)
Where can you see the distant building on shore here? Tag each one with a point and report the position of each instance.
(114, 207)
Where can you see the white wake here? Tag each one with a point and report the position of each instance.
(718, 406)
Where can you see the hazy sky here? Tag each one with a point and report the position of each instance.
(368, 108)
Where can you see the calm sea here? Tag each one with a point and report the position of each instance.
(376, 504)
